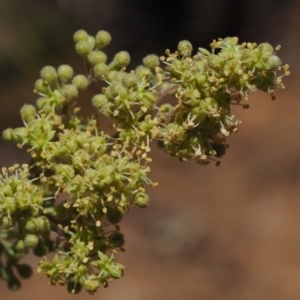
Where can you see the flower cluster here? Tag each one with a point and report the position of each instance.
(82, 180)
(208, 83)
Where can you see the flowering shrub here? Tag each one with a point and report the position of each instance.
(81, 181)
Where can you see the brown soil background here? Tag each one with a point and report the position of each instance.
(210, 233)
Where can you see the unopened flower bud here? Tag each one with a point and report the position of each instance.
(99, 100)
(28, 112)
(30, 240)
(65, 73)
(69, 91)
(83, 48)
(101, 70)
(266, 49)
(142, 72)
(97, 57)
(274, 62)
(39, 86)
(38, 224)
(151, 61)
(92, 42)
(49, 74)
(9, 135)
(81, 82)
(6, 222)
(121, 60)
(103, 38)
(80, 35)
(20, 246)
(185, 48)
(129, 81)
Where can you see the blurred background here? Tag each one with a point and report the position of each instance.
(210, 233)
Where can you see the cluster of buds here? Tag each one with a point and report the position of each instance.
(81, 180)
(208, 83)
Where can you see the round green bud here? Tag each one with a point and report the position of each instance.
(48, 74)
(111, 92)
(20, 246)
(37, 224)
(114, 216)
(151, 61)
(69, 91)
(101, 70)
(83, 48)
(115, 76)
(266, 49)
(99, 100)
(30, 240)
(13, 283)
(185, 48)
(65, 73)
(25, 271)
(92, 42)
(121, 60)
(57, 98)
(274, 62)
(30, 225)
(115, 90)
(142, 72)
(97, 57)
(129, 81)
(39, 86)
(141, 200)
(9, 135)
(103, 38)
(21, 132)
(81, 82)
(6, 222)
(80, 35)
(28, 112)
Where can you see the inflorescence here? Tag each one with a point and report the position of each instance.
(81, 181)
